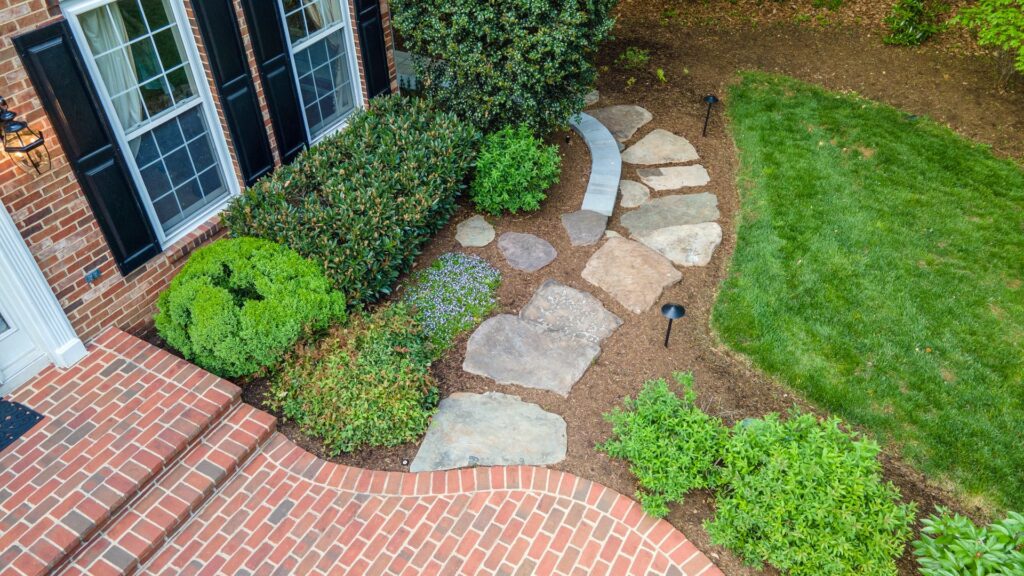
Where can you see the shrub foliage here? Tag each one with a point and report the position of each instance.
(999, 24)
(452, 296)
(362, 203)
(809, 499)
(502, 63)
(951, 545)
(514, 170)
(368, 384)
(672, 446)
(238, 305)
(914, 21)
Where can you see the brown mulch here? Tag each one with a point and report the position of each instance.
(701, 52)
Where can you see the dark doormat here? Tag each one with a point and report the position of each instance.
(15, 420)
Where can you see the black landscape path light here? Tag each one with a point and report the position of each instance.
(672, 312)
(711, 100)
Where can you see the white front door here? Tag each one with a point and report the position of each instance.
(20, 357)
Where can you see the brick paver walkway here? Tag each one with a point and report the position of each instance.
(146, 464)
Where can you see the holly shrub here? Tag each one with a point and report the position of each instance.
(502, 63)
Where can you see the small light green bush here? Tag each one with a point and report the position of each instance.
(914, 21)
(238, 306)
(951, 545)
(999, 24)
(634, 58)
(363, 202)
(367, 384)
(513, 171)
(497, 64)
(452, 296)
(809, 499)
(672, 446)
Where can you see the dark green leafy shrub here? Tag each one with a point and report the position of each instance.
(513, 171)
(809, 499)
(951, 545)
(452, 296)
(914, 21)
(239, 305)
(362, 202)
(368, 384)
(672, 446)
(502, 63)
(999, 24)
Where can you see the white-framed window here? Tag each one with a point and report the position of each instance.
(323, 58)
(143, 59)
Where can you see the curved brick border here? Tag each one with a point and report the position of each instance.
(605, 164)
(288, 509)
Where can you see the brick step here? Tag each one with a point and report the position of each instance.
(113, 424)
(145, 524)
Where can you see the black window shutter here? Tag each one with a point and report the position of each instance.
(374, 48)
(219, 27)
(275, 67)
(55, 67)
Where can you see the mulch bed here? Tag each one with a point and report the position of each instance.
(959, 89)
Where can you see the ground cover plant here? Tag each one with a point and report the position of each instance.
(952, 545)
(363, 202)
(514, 171)
(451, 296)
(879, 270)
(497, 64)
(238, 305)
(672, 446)
(366, 384)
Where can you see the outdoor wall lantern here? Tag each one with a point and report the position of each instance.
(25, 146)
(672, 312)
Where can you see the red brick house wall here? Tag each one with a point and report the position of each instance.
(51, 211)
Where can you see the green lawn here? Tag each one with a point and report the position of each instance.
(879, 271)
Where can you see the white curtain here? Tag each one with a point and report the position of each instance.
(322, 13)
(105, 30)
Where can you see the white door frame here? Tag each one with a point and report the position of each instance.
(32, 304)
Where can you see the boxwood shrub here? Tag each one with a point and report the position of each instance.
(239, 305)
(366, 384)
(361, 203)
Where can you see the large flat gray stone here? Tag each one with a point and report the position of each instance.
(491, 429)
(622, 121)
(574, 312)
(584, 227)
(674, 177)
(631, 273)
(672, 211)
(474, 232)
(526, 252)
(633, 194)
(686, 245)
(660, 147)
(510, 350)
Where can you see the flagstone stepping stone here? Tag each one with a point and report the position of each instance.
(622, 121)
(612, 234)
(491, 429)
(674, 177)
(584, 227)
(526, 252)
(474, 232)
(633, 194)
(631, 273)
(674, 210)
(510, 350)
(661, 147)
(686, 245)
(573, 312)
(591, 98)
